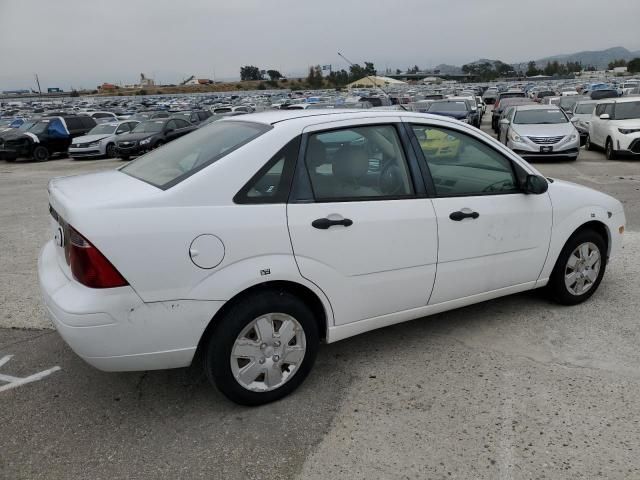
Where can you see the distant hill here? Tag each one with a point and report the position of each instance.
(598, 58)
(445, 69)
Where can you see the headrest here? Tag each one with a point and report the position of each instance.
(350, 163)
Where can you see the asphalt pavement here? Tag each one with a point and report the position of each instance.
(513, 388)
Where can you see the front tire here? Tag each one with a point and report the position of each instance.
(587, 143)
(579, 268)
(111, 151)
(40, 153)
(263, 348)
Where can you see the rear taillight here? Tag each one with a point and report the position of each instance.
(88, 265)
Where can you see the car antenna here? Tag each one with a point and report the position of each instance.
(375, 84)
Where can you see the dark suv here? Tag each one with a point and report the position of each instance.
(47, 136)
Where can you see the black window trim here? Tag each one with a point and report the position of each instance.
(286, 179)
(429, 179)
(302, 188)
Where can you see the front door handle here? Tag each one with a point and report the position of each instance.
(325, 223)
(461, 215)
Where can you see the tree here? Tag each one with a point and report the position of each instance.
(249, 72)
(617, 63)
(573, 67)
(339, 78)
(398, 72)
(532, 69)
(369, 69)
(274, 75)
(315, 79)
(634, 65)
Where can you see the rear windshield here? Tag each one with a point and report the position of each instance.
(585, 108)
(458, 106)
(181, 158)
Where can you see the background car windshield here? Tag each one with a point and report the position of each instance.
(585, 108)
(102, 130)
(448, 107)
(535, 117)
(626, 111)
(149, 127)
(181, 158)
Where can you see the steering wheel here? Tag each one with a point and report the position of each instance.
(390, 181)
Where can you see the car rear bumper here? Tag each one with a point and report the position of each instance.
(113, 329)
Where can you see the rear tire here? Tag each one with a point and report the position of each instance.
(579, 268)
(246, 360)
(40, 153)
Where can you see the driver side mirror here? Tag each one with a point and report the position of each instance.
(505, 121)
(575, 119)
(535, 185)
(168, 130)
(605, 116)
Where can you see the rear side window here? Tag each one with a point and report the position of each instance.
(74, 123)
(357, 163)
(88, 122)
(272, 183)
(181, 158)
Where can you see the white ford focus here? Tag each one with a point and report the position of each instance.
(254, 238)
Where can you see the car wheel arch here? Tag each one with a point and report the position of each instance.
(597, 226)
(301, 291)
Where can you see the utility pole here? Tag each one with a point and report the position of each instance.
(39, 89)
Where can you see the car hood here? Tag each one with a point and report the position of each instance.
(564, 193)
(544, 130)
(134, 137)
(631, 123)
(456, 115)
(18, 134)
(89, 138)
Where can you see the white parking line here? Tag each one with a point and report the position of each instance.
(13, 382)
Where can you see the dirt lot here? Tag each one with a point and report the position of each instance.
(513, 388)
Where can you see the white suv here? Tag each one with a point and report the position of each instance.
(254, 238)
(615, 127)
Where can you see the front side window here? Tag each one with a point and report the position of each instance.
(461, 165)
(188, 154)
(627, 110)
(357, 163)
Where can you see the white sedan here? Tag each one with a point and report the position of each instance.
(253, 239)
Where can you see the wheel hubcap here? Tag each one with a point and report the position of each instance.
(582, 269)
(268, 352)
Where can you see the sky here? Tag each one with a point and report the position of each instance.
(82, 43)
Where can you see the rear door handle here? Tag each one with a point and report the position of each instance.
(461, 215)
(325, 223)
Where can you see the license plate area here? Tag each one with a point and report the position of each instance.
(546, 149)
